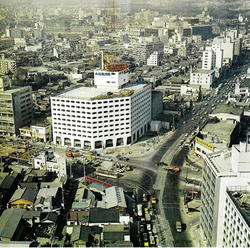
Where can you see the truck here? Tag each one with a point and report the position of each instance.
(178, 226)
(171, 168)
(73, 154)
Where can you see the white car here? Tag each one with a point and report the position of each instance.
(195, 169)
(14, 162)
(148, 227)
(108, 159)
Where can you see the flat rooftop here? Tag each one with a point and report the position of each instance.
(14, 89)
(221, 162)
(203, 71)
(222, 129)
(87, 93)
(228, 109)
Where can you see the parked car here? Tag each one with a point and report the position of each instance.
(148, 227)
(195, 169)
(193, 191)
(142, 228)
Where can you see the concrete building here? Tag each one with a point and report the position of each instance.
(204, 78)
(41, 132)
(216, 137)
(157, 103)
(113, 114)
(7, 65)
(50, 161)
(208, 59)
(204, 30)
(225, 171)
(153, 59)
(16, 108)
(227, 113)
(191, 90)
(236, 226)
(228, 48)
(143, 50)
(243, 88)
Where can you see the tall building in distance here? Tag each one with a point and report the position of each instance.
(16, 107)
(114, 113)
(226, 175)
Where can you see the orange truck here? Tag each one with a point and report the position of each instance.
(73, 154)
(171, 168)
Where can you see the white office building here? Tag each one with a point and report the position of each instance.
(113, 114)
(204, 78)
(208, 59)
(153, 59)
(222, 170)
(227, 45)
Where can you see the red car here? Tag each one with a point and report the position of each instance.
(193, 191)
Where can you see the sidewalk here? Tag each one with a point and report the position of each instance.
(193, 218)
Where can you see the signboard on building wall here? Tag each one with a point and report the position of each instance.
(204, 143)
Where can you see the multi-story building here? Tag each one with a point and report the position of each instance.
(153, 59)
(236, 225)
(227, 46)
(39, 132)
(222, 170)
(114, 113)
(143, 50)
(208, 59)
(204, 78)
(16, 108)
(204, 30)
(7, 65)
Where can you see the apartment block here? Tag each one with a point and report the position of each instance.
(7, 65)
(16, 109)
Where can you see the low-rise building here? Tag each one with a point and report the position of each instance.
(86, 236)
(216, 137)
(50, 161)
(23, 198)
(227, 112)
(12, 224)
(114, 198)
(49, 200)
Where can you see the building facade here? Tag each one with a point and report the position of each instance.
(102, 117)
(16, 109)
(223, 169)
(204, 78)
